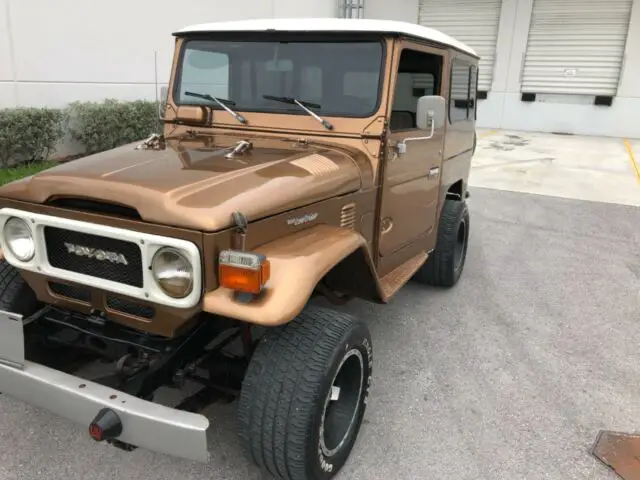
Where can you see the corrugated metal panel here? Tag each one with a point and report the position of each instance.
(474, 22)
(576, 46)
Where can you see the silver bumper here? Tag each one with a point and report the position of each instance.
(145, 424)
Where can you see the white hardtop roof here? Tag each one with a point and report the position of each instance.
(329, 25)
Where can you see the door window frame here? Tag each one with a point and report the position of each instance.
(421, 48)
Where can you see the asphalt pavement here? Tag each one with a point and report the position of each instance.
(509, 375)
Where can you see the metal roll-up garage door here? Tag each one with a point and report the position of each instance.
(474, 22)
(576, 46)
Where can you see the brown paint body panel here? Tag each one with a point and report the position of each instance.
(374, 213)
(197, 188)
(298, 262)
(166, 321)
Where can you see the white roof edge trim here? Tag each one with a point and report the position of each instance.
(330, 25)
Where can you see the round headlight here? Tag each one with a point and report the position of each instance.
(173, 272)
(18, 239)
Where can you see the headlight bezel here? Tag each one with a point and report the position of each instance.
(184, 257)
(7, 242)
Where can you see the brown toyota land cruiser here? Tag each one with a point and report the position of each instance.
(297, 158)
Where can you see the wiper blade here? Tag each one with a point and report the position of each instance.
(221, 102)
(303, 105)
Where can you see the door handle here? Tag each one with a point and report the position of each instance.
(434, 171)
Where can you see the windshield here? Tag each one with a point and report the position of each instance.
(331, 79)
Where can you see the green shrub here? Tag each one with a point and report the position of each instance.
(16, 173)
(29, 134)
(109, 124)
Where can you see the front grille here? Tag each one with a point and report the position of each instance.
(130, 308)
(60, 257)
(69, 291)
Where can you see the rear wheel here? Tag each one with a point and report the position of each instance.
(304, 395)
(446, 263)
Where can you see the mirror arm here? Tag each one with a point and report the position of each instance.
(402, 144)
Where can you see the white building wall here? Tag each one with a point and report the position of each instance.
(401, 10)
(56, 52)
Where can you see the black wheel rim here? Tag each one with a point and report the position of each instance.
(342, 403)
(460, 245)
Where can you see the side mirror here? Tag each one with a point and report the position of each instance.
(193, 115)
(431, 112)
(429, 116)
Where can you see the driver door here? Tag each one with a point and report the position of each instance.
(411, 177)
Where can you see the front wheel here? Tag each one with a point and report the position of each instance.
(304, 395)
(15, 295)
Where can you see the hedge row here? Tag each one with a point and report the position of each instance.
(31, 134)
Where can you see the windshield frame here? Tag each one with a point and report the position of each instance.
(292, 37)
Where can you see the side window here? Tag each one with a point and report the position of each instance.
(419, 74)
(204, 72)
(462, 97)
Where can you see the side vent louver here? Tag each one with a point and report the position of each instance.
(348, 216)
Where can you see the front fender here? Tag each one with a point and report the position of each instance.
(298, 263)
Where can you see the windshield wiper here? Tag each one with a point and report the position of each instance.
(301, 104)
(221, 102)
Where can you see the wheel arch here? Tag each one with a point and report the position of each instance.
(313, 260)
(353, 276)
(457, 190)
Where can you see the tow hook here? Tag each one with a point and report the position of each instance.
(105, 426)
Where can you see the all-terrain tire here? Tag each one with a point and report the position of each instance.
(289, 423)
(446, 263)
(15, 295)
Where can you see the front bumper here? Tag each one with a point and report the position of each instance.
(144, 424)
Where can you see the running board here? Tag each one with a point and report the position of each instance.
(396, 278)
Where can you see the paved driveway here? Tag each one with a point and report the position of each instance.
(510, 375)
(584, 168)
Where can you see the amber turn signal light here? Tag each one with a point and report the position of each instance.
(243, 271)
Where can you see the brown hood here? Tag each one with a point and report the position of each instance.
(197, 187)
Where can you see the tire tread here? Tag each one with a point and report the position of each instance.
(439, 270)
(281, 385)
(15, 295)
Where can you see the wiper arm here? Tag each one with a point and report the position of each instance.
(221, 102)
(301, 104)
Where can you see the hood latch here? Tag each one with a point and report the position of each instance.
(240, 148)
(153, 142)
